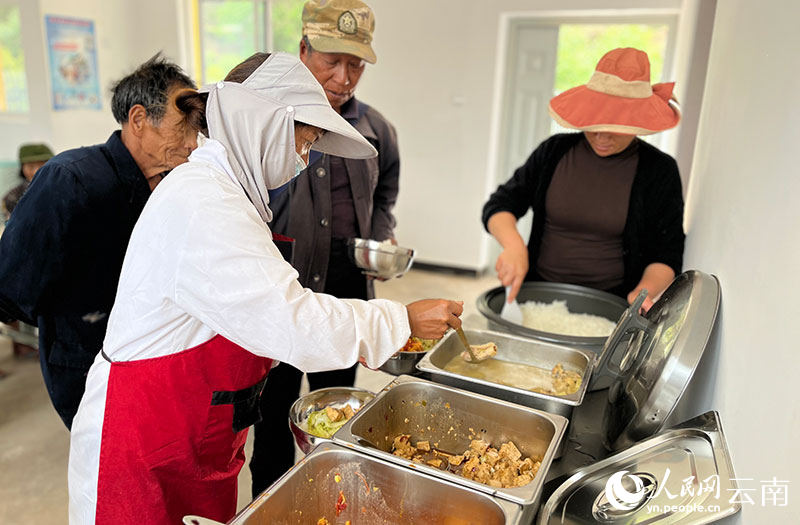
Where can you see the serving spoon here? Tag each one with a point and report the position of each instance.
(491, 349)
(511, 312)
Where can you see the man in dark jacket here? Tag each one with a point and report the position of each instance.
(62, 251)
(333, 200)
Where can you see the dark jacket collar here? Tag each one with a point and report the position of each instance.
(350, 110)
(127, 169)
(353, 110)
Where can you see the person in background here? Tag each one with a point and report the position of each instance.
(207, 305)
(333, 200)
(62, 250)
(607, 206)
(31, 158)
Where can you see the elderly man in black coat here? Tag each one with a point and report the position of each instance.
(62, 251)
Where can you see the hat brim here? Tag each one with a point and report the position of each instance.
(283, 79)
(342, 45)
(587, 110)
(341, 138)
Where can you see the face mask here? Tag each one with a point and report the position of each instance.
(299, 164)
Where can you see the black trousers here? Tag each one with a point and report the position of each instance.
(273, 444)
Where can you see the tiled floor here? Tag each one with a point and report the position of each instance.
(34, 444)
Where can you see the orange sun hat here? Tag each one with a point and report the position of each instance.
(619, 98)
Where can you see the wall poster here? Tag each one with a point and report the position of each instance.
(72, 48)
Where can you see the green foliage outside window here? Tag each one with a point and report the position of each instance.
(580, 47)
(232, 30)
(13, 84)
(287, 25)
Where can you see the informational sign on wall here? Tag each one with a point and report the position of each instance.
(72, 48)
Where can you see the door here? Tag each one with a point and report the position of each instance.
(527, 89)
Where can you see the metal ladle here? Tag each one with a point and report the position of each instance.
(472, 356)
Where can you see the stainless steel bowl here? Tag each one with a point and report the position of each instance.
(317, 400)
(380, 259)
(403, 363)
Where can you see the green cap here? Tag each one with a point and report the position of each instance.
(34, 153)
(340, 26)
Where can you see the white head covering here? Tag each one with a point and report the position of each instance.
(254, 121)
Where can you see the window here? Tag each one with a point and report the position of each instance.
(228, 31)
(13, 84)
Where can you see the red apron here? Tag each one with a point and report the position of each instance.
(174, 433)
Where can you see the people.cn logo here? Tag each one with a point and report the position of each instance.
(619, 497)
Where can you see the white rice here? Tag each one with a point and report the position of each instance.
(555, 318)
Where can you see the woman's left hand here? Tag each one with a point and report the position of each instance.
(655, 280)
(646, 305)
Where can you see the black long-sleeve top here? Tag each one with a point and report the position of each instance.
(654, 225)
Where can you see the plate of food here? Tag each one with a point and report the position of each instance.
(316, 416)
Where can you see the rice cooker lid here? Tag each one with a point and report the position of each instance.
(663, 479)
(661, 357)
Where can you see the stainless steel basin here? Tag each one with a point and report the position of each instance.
(375, 491)
(380, 259)
(317, 400)
(403, 363)
(450, 419)
(513, 349)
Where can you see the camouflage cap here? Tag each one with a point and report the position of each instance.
(340, 26)
(34, 153)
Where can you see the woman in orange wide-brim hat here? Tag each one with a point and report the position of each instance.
(607, 207)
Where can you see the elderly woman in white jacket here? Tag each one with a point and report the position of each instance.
(206, 305)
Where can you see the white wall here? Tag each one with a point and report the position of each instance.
(690, 66)
(434, 80)
(743, 221)
(127, 34)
